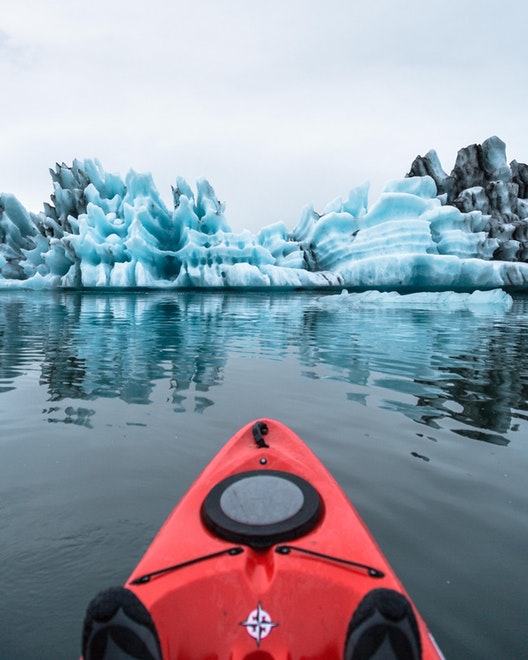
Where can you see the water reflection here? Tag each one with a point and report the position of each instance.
(79, 416)
(429, 365)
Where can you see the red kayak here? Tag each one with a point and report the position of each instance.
(264, 557)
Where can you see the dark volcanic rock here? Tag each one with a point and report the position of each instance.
(430, 165)
(68, 198)
(520, 177)
(502, 199)
(483, 181)
(473, 199)
(469, 168)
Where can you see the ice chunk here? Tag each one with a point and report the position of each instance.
(447, 300)
(421, 186)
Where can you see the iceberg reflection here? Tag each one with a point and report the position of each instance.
(466, 364)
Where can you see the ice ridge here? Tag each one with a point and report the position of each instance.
(428, 231)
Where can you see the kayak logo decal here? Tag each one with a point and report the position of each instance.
(258, 624)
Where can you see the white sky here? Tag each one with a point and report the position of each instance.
(277, 103)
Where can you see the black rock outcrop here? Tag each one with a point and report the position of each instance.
(482, 180)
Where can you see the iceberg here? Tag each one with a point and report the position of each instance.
(496, 300)
(428, 231)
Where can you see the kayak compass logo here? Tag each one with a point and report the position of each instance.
(258, 624)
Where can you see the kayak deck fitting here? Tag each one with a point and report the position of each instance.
(264, 557)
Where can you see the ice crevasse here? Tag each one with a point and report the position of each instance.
(104, 231)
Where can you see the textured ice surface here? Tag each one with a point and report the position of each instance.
(103, 231)
(448, 300)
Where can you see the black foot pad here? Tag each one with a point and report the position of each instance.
(118, 626)
(383, 628)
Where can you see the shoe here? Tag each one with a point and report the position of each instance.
(383, 628)
(118, 626)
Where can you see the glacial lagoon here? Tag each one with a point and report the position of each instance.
(111, 403)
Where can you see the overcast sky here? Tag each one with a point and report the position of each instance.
(277, 103)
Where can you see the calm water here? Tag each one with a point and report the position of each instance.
(111, 404)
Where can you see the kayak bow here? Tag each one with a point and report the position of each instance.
(264, 557)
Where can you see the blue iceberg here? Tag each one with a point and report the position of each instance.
(477, 302)
(428, 231)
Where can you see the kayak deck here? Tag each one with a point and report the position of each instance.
(251, 564)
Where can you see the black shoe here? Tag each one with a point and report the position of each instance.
(118, 626)
(383, 628)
